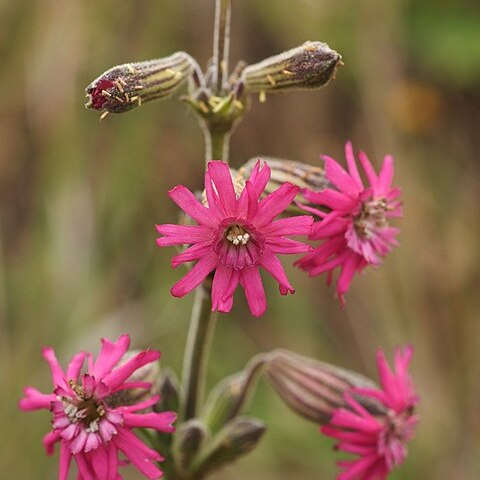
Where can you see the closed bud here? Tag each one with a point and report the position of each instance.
(236, 439)
(231, 395)
(315, 389)
(169, 390)
(309, 66)
(300, 174)
(128, 86)
(187, 442)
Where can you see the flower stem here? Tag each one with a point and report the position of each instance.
(221, 43)
(196, 351)
(202, 323)
(217, 143)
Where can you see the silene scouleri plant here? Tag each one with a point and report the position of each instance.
(119, 408)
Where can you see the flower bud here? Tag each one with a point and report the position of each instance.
(169, 390)
(315, 389)
(237, 438)
(309, 66)
(187, 441)
(228, 397)
(128, 86)
(301, 174)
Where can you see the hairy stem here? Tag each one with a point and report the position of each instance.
(217, 143)
(221, 43)
(202, 322)
(196, 352)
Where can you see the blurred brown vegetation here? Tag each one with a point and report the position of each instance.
(79, 200)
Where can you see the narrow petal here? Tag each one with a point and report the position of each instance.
(340, 178)
(75, 365)
(161, 422)
(99, 462)
(212, 197)
(49, 441)
(138, 453)
(35, 400)
(286, 246)
(195, 276)
(331, 199)
(120, 374)
(275, 203)
(58, 377)
(182, 234)
(252, 284)
(348, 271)
(110, 354)
(369, 170)
(187, 201)
(300, 225)
(84, 468)
(385, 176)
(193, 253)
(222, 179)
(64, 463)
(225, 297)
(259, 177)
(220, 284)
(112, 462)
(141, 405)
(273, 266)
(352, 165)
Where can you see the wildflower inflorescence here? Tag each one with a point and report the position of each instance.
(88, 421)
(354, 228)
(378, 440)
(235, 235)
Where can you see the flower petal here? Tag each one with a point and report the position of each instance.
(181, 234)
(195, 276)
(138, 453)
(299, 225)
(275, 203)
(123, 372)
(340, 178)
(222, 179)
(110, 354)
(193, 253)
(162, 422)
(273, 266)
(254, 292)
(35, 400)
(187, 201)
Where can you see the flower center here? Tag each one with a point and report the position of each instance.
(237, 234)
(399, 429)
(83, 409)
(372, 216)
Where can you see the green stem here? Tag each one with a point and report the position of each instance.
(196, 352)
(202, 322)
(217, 144)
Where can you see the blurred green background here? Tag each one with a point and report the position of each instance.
(79, 200)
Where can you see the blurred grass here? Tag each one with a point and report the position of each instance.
(79, 199)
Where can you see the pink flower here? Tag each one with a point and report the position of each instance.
(354, 229)
(379, 441)
(235, 236)
(87, 421)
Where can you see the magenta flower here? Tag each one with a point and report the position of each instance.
(88, 422)
(379, 441)
(354, 229)
(235, 236)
